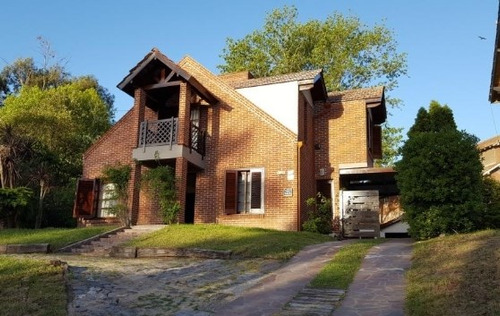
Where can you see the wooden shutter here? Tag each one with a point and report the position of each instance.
(256, 198)
(87, 197)
(231, 194)
(377, 142)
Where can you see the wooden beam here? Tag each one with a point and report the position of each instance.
(170, 75)
(162, 85)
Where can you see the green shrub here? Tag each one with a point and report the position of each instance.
(119, 175)
(490, 217)
(160, 183)
(319, 217)
(12, 201)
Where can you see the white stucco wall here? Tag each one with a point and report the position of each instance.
(278, 100)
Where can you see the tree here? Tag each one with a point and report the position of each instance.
(48, 118)
(14, 148)
(65, 119)
(351, 54)
(439, 176)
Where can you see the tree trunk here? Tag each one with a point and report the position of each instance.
(41, 197)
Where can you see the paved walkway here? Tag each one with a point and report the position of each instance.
(379, 286)
(269, 295)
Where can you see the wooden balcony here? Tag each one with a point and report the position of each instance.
(158, 140)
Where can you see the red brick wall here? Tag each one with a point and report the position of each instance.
(341, 133)
(116, 146)
(307, 154)
(240, 135)
(238, 139)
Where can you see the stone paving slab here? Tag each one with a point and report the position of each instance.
(378, 288)
(313, 302)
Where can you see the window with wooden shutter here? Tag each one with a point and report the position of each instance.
(244, 191)
(87, 193)
(231, 192)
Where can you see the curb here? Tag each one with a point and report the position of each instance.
(134, 252)
(24, 248)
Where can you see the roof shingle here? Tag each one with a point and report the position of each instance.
(296, 76)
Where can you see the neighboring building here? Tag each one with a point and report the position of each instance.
(490, 155)
(495, 72)
(246, 151)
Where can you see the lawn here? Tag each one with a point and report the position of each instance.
(339, 272)
(455, 275)
(244, 242)
(56, 237)
(31, 287)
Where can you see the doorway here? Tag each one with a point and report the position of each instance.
(190, 198)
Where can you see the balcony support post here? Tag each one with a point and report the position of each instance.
(184, 115)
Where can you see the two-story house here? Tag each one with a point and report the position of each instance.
(246, 151)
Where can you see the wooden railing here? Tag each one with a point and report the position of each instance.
(158, 133)
(164, 133)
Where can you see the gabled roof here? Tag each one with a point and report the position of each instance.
(127, 84)
(374, 98)
(224, 92)
(312, 78)
(490, 143)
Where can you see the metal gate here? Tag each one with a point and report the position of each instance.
(360, 213)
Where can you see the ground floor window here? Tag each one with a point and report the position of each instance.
(107, 200)
(244, 191)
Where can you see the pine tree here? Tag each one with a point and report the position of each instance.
(439, 176)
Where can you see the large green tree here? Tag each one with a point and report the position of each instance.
(351, 54)
(48, 118)
(440, 176)
(65, 119)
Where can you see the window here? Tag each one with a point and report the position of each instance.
(244, 191)
(107, 199)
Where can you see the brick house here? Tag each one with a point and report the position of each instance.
(246, 151)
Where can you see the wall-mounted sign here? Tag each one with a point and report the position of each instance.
(288, 192)
(290, 175)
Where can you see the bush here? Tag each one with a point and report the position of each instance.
(12, 202)
(490, 218)
(119, 175)
(160, 183)
(319, 218)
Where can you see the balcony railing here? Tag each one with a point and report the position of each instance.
(164, 133)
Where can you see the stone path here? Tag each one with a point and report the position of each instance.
(197, 287)
(378, 288)
(174, 286)
(269, 295)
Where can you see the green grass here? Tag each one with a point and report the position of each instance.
(56, 237)
(245, 242)
(31, 287)
(455, 275)
(340, 272)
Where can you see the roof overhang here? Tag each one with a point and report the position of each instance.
(316, 85)
(378, 109)
(381, 179)
(127, 84)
